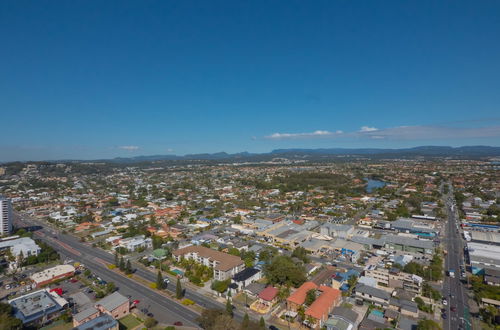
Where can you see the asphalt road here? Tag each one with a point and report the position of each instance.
(93, 257)
(453, 288)
(164, 310)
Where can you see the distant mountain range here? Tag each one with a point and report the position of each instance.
(314, 154)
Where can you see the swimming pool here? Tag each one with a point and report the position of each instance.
(377, 313)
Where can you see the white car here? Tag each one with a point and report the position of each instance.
(445, 302)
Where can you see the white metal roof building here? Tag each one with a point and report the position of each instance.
(37, 306)
(52, 274)
(483, 256)
(24, 245)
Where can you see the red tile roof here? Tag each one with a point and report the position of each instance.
(320, 308)
(268, 294)
(299, 296)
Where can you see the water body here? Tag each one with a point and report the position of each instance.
(372, 184)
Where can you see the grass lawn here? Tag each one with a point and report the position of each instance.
(129, 322)
(240, 298)
(59, 325)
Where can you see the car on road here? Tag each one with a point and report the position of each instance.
(178, 323)
(444, 316)
(453, 308)
(272, 327)
(136, 302)
(150, 314)
(445, 302)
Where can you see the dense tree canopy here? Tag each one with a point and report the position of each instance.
(300, 253)
(7, 320)
(282, 270)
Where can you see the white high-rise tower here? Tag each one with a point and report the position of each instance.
(5, 216)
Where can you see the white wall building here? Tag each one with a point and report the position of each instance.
(5, 216)
(20, 245)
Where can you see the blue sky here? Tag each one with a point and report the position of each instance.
(100, 79)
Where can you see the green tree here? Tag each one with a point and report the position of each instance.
(246, 322)
(229, 307)
(283, 293)
(282, 270)
(301, 312)
(157, 242)
(300, 253)
(234, 251)
(310, 297)
(220, 286)
(150, 322)
(159, 281)
(7, 319)
(268, 254)
(262, 323)
(110, 287)
(488, 314)
(208, 318)
(311, 321)
(178, 289)
(128, 268)
(428, 325)
(351, 281)
(122, 264)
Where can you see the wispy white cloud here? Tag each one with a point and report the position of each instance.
(420, 132)
(318, 133)
(424, 132)
(129, 148)
(368, 129)
(170, 150)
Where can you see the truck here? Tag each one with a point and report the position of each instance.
(451, 273)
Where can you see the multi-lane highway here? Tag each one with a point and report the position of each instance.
(164, 309)
(453, 289)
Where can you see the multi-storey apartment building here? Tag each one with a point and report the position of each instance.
(224, 265)
(394, 278)
(5, 216)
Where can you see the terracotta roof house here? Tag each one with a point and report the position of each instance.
(267, 298)
(323, 305)
(298, 297)
(327, 299)
(268, 294)
(225, 265)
